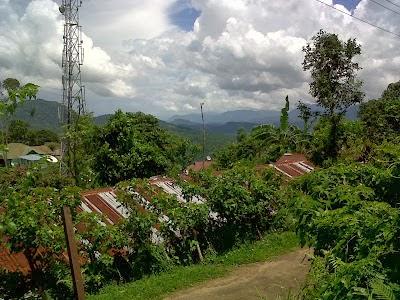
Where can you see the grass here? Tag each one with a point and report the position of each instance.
(158, 286)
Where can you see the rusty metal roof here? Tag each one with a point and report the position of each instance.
(170, 187)
(293, 165)
(13, 262)
(198, 165)
(104, 202)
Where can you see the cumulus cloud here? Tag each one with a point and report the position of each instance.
(31, 47)
(241, 53)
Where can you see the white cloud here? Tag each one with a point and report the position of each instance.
(242, 53)
(31, 50)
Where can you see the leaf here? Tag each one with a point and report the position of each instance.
(382, 291)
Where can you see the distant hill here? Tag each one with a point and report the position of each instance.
(245, 116)
(250, 116)
(221, 128)
(40, 114)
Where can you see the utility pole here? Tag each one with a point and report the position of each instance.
(204, 134)
(72, 59)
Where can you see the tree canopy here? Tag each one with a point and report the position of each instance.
(133, 145)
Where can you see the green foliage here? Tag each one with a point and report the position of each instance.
(81, 138)
(20, 132)
(134, 146)
(381, 117)
(285, 115)
(349, 140)
(12, 95)
(245, 201)
(305, 114)
(264, 144)
(349, 215)
(334, 79)
(160, 285)
(31, 224)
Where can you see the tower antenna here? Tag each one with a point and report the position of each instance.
(73, 99)
(72, 60)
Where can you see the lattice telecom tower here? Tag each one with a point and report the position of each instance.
(72, 60)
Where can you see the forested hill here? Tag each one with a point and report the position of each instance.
(221, 128)
(42, 114)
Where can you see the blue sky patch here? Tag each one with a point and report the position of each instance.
(349, 4)
(183, 15)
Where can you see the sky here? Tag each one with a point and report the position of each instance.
(165, 57)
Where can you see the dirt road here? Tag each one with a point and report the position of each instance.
(270, 280)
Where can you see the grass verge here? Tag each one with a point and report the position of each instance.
(158, 286)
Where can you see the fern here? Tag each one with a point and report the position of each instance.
(334, 262)
(382, 291)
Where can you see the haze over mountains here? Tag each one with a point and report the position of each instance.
(42, 114)
(248, 116)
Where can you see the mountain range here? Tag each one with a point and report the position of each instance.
(221, 128)
(249, 116)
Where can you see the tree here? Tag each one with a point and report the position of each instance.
(334, 78)
(12, 94)
(305, 114)
(18, 132)
(285, 115)
(81, 138)
(135, 146)
(381, 117)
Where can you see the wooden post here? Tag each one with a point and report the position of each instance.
(73, 255)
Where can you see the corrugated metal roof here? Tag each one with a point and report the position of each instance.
(101, 201)
(104, 202)
(198, 165)
(170, 187)
(293, 165)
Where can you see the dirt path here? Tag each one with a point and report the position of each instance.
(270, 280)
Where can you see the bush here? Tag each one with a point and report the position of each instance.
(349, 215)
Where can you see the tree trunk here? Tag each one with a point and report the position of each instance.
(333, 138)
(198, 246)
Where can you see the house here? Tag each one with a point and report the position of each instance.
(21, 154)
(293, 165)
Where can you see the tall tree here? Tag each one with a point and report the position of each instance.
(334, 78)
(305, 114)
(285, 115)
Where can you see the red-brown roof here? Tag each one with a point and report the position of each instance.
(198, 165)
(294, 165)
(102, 201)
(15, 262)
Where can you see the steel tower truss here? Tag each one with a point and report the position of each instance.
(72, 60)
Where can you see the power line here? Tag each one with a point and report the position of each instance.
(359, 19)
(384, 6)
(391, 2)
